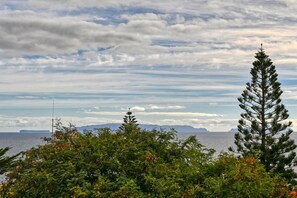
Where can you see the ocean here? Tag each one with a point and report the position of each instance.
(21, 141)
(220, 141)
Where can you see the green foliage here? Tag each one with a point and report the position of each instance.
(134, 163)
(130, 124)
(6, 161)
(262, 130)
(106, 164)
(234, 177)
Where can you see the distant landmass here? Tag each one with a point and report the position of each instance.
(34, 131)
(234, 130)
(179, 128)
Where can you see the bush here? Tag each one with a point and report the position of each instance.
(106, 164)
(134, 163)
(242, 177)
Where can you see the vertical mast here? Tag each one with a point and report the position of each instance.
(53, 114)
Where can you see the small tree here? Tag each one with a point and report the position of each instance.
(130, 123)
(262, 130)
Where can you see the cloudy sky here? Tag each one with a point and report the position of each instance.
(171, 62)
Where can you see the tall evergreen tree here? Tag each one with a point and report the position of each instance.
(130, 123)
(263, 130)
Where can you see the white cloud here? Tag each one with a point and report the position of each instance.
(186, 114)
(173, 114)
(28, 97)
(137, 108)
(27, 33)
(42, 122)
(71, 4)
(196, 54)
(157, 107)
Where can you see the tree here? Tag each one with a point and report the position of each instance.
(263, 130)
(107, 164)
(130, 123)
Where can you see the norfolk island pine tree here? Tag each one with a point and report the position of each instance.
(262, 130)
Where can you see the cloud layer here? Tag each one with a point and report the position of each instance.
(169, 61)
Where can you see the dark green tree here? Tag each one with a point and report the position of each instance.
(263, 130)
(130, 123)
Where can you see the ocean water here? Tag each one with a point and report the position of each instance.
(18, 142)
(220, 141)
(21, 141)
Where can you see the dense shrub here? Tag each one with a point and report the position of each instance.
(106, 164)
(232, 177)
(134, 163)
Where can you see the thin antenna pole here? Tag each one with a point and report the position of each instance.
(53, 114)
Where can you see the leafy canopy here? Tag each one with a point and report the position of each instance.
(107, 164)
(134, 163)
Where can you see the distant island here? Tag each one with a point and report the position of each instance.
(149, 127)
(234, 130)
(178, 128)
(34, 131)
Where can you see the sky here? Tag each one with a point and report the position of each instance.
(177, 62)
